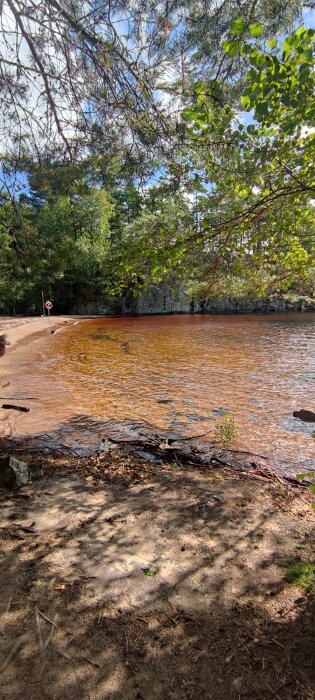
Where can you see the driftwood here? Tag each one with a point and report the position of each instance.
(149, 443)
(169, 446)
(12, 406)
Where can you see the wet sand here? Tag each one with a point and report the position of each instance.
(20, 367)
(20, 329)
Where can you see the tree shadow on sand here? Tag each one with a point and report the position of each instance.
(169, 585)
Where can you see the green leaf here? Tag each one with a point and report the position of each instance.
(272, 43)
(149, 571)
(256, 29)
(245, 102)
(232, 48)
(238, 26)
(262, 109)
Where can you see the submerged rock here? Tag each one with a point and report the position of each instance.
(305, 415)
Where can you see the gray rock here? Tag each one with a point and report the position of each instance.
(22, 472)
(13, 472)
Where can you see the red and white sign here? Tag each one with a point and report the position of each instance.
(48, 305)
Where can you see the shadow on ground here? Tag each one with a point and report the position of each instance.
(168, 585)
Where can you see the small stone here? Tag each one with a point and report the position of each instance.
(238, 682)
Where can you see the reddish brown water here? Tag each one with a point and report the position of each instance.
(257, 368)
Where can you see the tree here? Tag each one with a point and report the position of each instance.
(62, 246)
(258, 212)
(74, 73)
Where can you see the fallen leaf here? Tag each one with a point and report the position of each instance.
(149, 571)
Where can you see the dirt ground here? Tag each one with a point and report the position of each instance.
(121, 579)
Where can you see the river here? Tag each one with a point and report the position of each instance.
(184, 373)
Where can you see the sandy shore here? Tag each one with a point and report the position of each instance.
(124, 579)
(22, 328)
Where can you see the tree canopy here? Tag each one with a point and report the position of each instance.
(143, 141)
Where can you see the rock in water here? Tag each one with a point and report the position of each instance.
(306, 416)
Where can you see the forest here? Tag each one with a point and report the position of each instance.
(145, 142)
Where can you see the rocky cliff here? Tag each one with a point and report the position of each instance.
(172, 299)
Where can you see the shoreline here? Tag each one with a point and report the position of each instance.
(20, 330)
(47, 396)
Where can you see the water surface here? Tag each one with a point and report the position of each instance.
(184, 373)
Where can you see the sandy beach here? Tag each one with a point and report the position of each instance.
(22, 328)
(20, 369)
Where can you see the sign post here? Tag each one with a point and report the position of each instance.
(43, 303)
(48, 306)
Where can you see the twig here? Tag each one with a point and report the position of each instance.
(193, 437)
(48, 640)
(89, 661)
(244, 452)
(19, 398)
(46, 618)
(43, 645)
(40, 639)
(279, 644)
(9, 604)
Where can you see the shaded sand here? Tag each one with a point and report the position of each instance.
(136, 582)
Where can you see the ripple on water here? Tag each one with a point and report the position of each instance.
(185, 370)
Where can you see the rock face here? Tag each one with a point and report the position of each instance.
(170, 297)
(305, 415)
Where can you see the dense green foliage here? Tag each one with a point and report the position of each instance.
(60, 246)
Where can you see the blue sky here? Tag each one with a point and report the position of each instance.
(309, 18)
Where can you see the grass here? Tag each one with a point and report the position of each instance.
(302, 575)
(225, 432)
